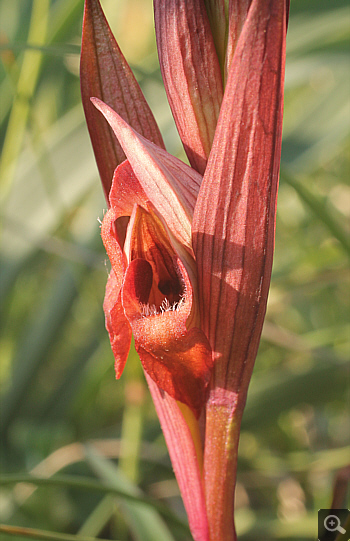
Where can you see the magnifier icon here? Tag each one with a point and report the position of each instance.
(332, 524)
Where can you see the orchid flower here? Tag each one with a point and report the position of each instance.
(191, 246)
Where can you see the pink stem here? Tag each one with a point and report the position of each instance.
(224, 414)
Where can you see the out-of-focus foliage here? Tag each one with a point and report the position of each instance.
(63, 414)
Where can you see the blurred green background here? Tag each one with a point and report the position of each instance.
(64, 417)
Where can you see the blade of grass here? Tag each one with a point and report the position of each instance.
(144, 521)
(131, 434)
(269, 396)
(19, 531)
(74, 453)
(27, 81)
(317, 30)
(74, 481)
(87, 483)
(99, 517)
(56, 50)
(38, 340)
(271, 465)
(8, 77)
(62, 16)
(318, 207)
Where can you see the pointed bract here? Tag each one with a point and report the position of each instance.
(104, 73)
(183, 441)
(170, 185)
(191, 74)
(233, 224)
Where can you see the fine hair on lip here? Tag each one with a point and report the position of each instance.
(148, 310)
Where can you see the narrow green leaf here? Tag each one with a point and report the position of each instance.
(278, 392)
(144, 521)
(25, 89)
(62, 15)
(319, 208)
(317, 30)
(99, 517)
(57, 50)
(37, 341)
(89, 484)
(133, 417)
(73, 481)
(42, 534)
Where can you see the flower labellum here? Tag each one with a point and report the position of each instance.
(154, 265)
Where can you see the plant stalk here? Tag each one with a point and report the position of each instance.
(224, 414)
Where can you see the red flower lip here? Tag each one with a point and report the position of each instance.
(152, 290)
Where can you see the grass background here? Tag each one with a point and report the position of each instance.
(64, 417)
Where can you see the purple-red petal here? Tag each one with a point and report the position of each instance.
(117, 325)
(171, 185)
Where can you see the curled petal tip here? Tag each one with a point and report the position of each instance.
(117, 325)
